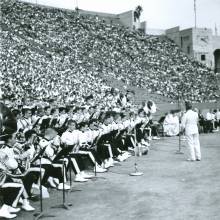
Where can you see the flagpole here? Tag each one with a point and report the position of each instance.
(216, 30)
(195, 13)
(76, 3)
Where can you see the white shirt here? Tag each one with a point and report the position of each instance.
(24, 124)
(84, 137)
(189, 122)
(209, 116)
(217, 115)
(106, 128)
(49, 151)
(70, 137)
(61, 119)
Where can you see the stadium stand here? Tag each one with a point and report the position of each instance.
(55, 53)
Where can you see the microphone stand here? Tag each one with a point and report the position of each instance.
(179, 106)
(136, 172)
(41, 214)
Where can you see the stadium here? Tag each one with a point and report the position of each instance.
(93, 116)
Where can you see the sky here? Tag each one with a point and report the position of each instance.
(159, 14)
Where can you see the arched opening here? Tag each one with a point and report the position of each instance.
(217, 60)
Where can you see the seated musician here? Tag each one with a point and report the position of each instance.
(105, 146)
(62, 119)
(10, 190)
(45, 119)
(123, 137)
(87, 137)
(53, 123)
(93, 134)
(53, 170)
(141, 122)
(13, 171)
(25, 123)
(71, 138)
(116, 144)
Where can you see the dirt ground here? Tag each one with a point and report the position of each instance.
(170, 189)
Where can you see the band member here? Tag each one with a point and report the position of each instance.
(13, 173)
(10, 191)
(45, 119)
(25, 123)
(71, 140)
(52, 169)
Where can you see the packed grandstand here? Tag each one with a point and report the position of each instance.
(55, 53)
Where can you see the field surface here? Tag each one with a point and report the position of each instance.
(170, 189)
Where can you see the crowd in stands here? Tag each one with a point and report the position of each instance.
(54, 53)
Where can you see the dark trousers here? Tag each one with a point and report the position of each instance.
(29, 179)
(9, 193)
(95, 155)
(102, 151)
(79, 161)
(139, 134)
(51, 171)
(208, 126)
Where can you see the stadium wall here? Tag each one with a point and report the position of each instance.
(127, 19)
(174, 34)
(153, 31)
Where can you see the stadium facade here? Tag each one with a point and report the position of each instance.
(199, 43)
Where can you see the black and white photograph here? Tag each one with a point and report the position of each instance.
(110, 109)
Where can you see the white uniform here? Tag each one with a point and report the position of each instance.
(217, 115)
(70, 137)
(49, 153)
(171, 125)
(189, 123)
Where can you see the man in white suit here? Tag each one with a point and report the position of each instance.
(190, 125)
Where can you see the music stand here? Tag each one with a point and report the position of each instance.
(65, 153)
(41, 214)
(63, 205)
(93, 145)
(71, 187)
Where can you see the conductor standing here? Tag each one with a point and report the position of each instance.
(190, 125)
